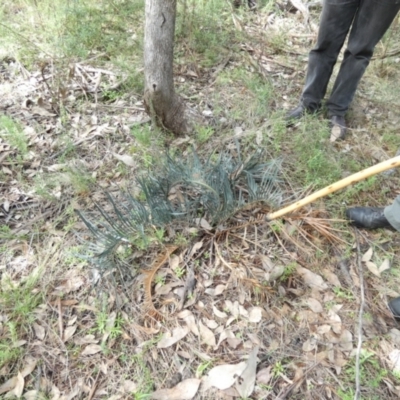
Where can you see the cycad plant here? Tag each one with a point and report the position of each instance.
(182, 194)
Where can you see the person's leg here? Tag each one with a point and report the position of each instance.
(372, 20)
(392, 213)
(335, 22)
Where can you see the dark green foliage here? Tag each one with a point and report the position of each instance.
(179, 194)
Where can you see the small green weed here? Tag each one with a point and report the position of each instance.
(204, 133)
(179, 272)
(371, 373)
(203, 368)
(180, 240)
(142, 134)
(289, 270)
(278, 369)
(159, 280)
(81, 181)
(342, 293)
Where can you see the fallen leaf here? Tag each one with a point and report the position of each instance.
(184, 390)
(372, 267)
(332, 278)
(69, 332)
(41, 111)
(225, 334)
(219, 314)
(219, 289)
(207, 335)
(31, 395)
(394, 357)
(129, 386)
(346, 340)
(56, 167)
(128, 160)
(188, 317)
(72, 281)
(30, 365)
(196, 246)
(255, 314)
(335, 131)
(39, 331)
(246, 382)
(302, 8)
(243, 312)
(234, 342)
(368, 255)
(264, 376)
(385, 265)
(19, 343)
(91, 349)
(312, 279)
(203, 223)
(267, 263)
(169, 339)
(8, 385)
(314, 305)
(174, 261)
(211, 323)
(276, 273)
(334, 319)
(223, 376)
(72, 320)
(310, 344)
(79, 341)
(322, 329)
(18, 388)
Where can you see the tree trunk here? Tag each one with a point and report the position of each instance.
(161, 102)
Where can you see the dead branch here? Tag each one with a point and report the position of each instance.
(357, 394)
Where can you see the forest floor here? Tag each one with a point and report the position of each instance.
(273, 311)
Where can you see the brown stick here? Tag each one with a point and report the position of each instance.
(359, 176)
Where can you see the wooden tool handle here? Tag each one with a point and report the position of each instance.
(359, 176)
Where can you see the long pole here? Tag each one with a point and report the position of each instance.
(359, 176)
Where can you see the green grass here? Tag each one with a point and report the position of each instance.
(205, 27)
(13, 133)
(18, 300)
(72, 29)
(370, 372)
(9, 351)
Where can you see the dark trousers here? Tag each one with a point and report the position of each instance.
(369, 20)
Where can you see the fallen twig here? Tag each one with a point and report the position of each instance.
(357, 394)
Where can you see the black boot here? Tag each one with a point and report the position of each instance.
(296, 113)
(338, 128)
(394, 307)
(368, 217)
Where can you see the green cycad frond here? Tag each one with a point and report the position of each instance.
(179, 193)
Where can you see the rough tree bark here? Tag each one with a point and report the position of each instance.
(161, 100)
